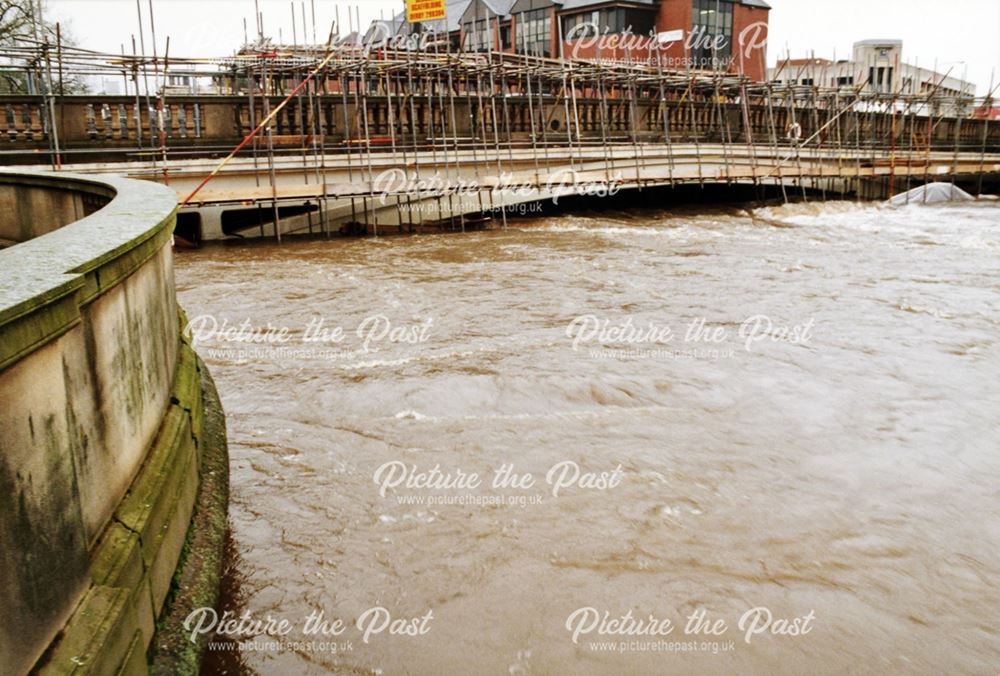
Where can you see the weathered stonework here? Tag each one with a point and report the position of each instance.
(101, 422)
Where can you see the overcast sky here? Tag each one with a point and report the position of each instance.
(961, 35)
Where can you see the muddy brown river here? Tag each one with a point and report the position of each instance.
(695, 441)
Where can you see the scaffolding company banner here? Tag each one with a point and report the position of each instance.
(425, 10)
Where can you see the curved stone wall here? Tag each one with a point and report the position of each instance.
(100, 410)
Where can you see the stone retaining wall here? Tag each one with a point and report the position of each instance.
(100, 422)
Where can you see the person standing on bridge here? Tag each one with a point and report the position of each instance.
(794, 132)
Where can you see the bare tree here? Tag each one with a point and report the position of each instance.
(24, 27)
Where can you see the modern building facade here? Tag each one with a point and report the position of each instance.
(876, 66)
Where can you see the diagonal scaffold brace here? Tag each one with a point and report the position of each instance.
(263, 123)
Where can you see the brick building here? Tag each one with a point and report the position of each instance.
(726, 35)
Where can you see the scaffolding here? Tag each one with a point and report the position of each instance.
(354, 102)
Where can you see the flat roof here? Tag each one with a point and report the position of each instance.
(878, 42)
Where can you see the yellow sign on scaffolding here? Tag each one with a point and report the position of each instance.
(425, 10)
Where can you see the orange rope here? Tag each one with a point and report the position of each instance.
(263, 123)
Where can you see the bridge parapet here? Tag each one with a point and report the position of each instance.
(92, 128)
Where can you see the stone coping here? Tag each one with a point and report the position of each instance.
(44, 281)
(45, 268)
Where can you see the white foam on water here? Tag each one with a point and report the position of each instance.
(374, 363)
(410, 414)
(644, 231)
(968, 225)
(978, 242)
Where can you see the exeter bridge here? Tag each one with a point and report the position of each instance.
(355, 141)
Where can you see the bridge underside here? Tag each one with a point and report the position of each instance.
(384, 192)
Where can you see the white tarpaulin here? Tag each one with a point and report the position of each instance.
(932, 192)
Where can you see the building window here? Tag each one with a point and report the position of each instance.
(641, 21)
(712, 33)
(845, 81)
(578, 26)
(534, 32)
(880, 79)
(610, 21)
(478, 36)
(505, 36)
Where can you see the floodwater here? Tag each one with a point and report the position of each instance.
(834, 460)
